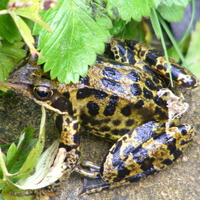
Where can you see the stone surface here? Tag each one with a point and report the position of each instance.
(179, 181)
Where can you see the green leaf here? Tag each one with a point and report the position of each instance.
(25, 32)
(35, 153)
(1, 198)
(23, 149)
(176, 2)
(174, 13)
(48, 170)
(1, 170)
(3, 4)
(16, 9)
(118, 26)
(11, 153)
(9, 194)
(76, 37)
(8, 29)
(10, 55)
(127, 30)
(137, 9)
(193, 57)
(30, 10)
(128, 9)
(15, 155)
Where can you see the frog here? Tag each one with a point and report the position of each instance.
(117, 100)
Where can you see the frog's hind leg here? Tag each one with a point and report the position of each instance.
(128, 162)
(157, 60)
(132, 52)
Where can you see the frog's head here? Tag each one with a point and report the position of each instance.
(29, 80)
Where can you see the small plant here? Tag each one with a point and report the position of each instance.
(24, 167)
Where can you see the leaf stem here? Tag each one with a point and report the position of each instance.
(172, 40)
(3, 166)
(191, 22)
(3, 12)
(155, 20)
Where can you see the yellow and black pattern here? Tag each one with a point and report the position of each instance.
(118, 101)
(150, 156)
(131, 159)
(122, 50)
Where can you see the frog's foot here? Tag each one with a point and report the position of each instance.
(94, 185)
(46, 192)
(88, 169)
(176, 105)
(126, 163)
(98, 185)
(91, 165)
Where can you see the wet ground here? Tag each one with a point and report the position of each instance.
(180, 181)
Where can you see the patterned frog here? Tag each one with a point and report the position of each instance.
(119, 101)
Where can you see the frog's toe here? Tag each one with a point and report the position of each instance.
(94, 185)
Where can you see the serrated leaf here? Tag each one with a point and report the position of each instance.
(174, 13)
(128, 9)
(10, 55)
(193, 57)
(137, 9)
(75, 39)
(29, 10)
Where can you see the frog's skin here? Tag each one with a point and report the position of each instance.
(118, 101)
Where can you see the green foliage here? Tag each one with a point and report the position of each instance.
(20, 160)
(13, 161)
(192, 58)
(10, 54)
(25, 167)
(79, 29)
(8, 29)
(130, 9)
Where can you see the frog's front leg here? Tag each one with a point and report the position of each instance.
(68, 127)
(132, 158)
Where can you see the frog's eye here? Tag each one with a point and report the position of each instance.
(42, 92)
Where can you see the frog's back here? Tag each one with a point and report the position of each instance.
(117, 98)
